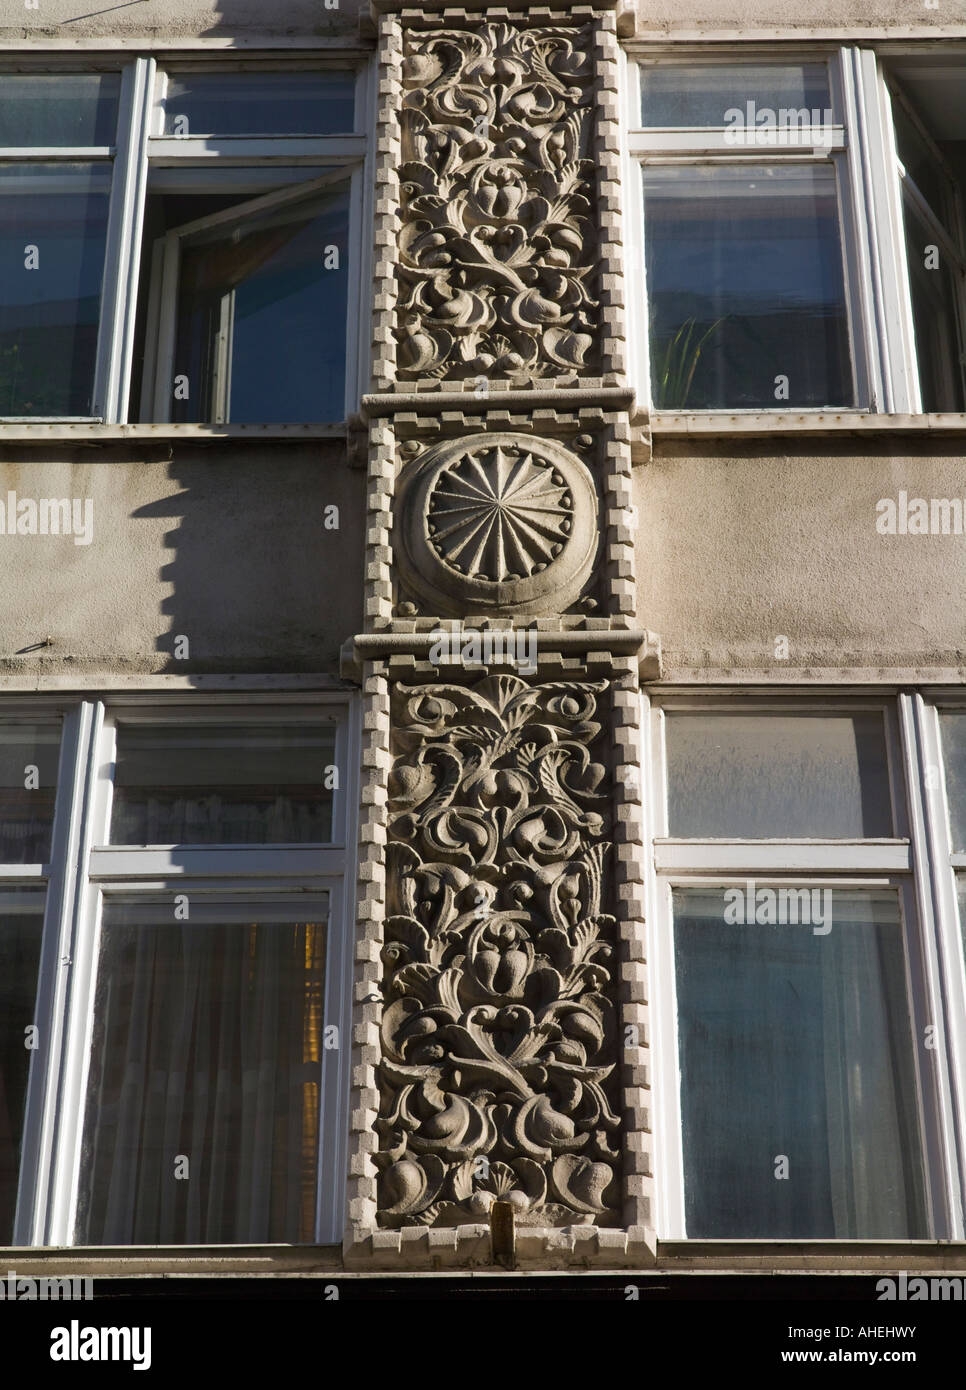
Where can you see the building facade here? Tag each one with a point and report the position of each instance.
(482, 684)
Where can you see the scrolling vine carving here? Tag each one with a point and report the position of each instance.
(497, 1075)
(496, 246)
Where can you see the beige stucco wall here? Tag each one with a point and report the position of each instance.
(171, 20)
(745, 15)
(176, 19)
(742, 544)
(224, 544)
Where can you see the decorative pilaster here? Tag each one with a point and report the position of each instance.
(501, 982)
(496, 257)
(498, 1072)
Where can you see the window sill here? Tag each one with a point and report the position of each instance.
(94, 432)
(713, 1256)
(115, 1261)
(668, 424)
(811, 1256)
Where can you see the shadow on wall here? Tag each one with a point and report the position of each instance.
(198, 18)
(259, 582)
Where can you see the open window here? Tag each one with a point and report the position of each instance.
(929, 120)
(247, 313)
(750, 264)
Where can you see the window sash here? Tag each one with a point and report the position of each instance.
(878, 288)
(671, 1201)
(114, 339)
(138, 147)
(940, 897)
(85, 873)
(699, 146)
(306, 63)
(166, 280)
(914, 865)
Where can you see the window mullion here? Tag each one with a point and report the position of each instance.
(662, 1058)
(46, 1097)
(932, 1063)
(890, 273)
(943, 885)
(868, 290)
(122, 262)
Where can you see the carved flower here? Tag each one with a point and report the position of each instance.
(521, 1183)
(500, 956)
(498, 191)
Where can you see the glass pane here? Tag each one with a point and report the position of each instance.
(920, 163)
(961, 900)
(53, 228)
(66, 108)
(952, 724)
(223, 784)
(262, 317)
(777, 776)
(701, 95)
(270, 103)
(29, 754)
(204, 1093)
(798, 1096)
(932, 282)
(745, 287)
(21, 924)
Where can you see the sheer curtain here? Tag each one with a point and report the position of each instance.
(797, 1046)
(202, 1120)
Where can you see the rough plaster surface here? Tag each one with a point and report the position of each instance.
(740, 549)
(171, 19)
(226, 546)
(779, 14)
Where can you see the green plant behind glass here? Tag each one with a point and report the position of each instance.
(676, 369)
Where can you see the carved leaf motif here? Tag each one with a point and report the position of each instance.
(498, 1038)
(496, 250)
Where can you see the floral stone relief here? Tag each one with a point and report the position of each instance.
(497, 245)
(498, 1072)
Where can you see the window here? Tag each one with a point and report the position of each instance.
(174, 976)
(747, 290)
(810, 1063)
(195, 252)
(932, 217)
(57, 142)
(802, 231)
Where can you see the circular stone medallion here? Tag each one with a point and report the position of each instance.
(498, 522)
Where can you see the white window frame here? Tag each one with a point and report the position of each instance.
(138, 150)
(944, 863)
(166, 272)
(868, 175)
(345, 155)
(86, 871)
(902, 862)
(120, 255)
(950, 239)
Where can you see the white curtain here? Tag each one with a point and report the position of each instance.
(206, 1047)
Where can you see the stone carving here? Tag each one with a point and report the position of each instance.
(499, 514)
(497, 523)
(497, 1074)
(496, 247)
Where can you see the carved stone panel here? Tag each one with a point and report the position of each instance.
(497, 1075)
(497, 248)
(497, 522)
